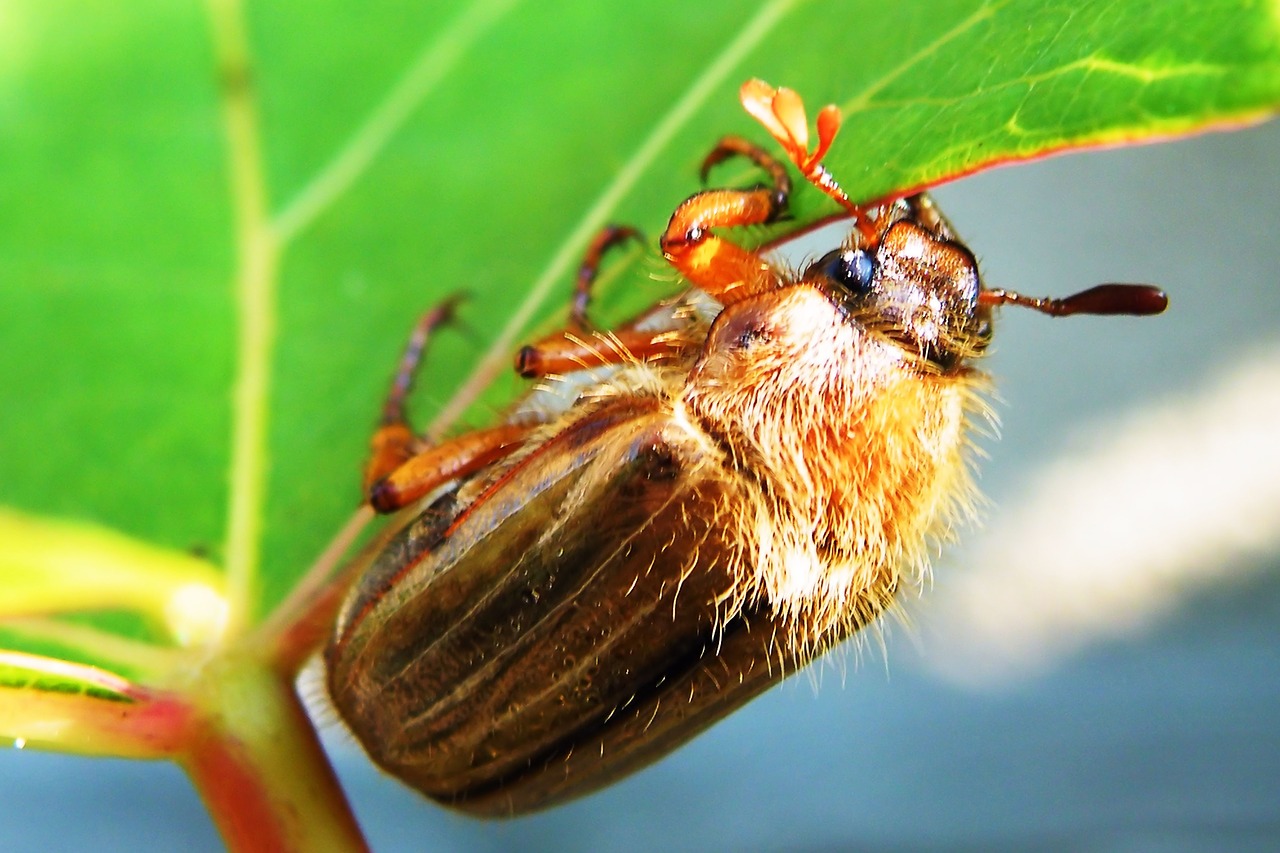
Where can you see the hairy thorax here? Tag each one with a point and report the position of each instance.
(850, 455)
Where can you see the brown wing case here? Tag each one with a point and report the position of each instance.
(599, 588)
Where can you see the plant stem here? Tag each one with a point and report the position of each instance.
(293, 631)
(252, 752)
(260, 767)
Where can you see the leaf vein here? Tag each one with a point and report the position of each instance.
(432, 65)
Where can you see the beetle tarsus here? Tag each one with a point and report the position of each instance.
(609, 237)
(576, 347)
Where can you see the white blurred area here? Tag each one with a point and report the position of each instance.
(1144, 510)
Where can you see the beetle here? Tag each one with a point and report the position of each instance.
(683, 509)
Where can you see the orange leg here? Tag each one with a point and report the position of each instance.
(578, 346)
(565, 352)
(435, 466)
(394, 442)
(399, 471)
(724, 269)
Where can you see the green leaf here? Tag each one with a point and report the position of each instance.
(403, 153)
(997, 82)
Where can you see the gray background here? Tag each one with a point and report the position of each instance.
(1149, 729)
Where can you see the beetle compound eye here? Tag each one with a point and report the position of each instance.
(850, 270)
(854, 270)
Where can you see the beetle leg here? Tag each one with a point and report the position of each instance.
(926, 213)
(566, 352)
(399, 471)
(609, 236)
(578, 347)
(394, 441)
(424, 473)
(720, 267)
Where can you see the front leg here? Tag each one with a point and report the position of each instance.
(726, 271)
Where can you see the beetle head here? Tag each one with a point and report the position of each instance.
(913, 285)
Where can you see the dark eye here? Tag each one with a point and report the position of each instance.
(853, 269)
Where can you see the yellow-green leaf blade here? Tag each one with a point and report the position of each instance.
(51, 703)
(50, 567)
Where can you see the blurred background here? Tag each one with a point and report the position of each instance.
(1097, 667)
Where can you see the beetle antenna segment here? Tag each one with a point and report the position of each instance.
(782, 113)
(609, 236)
(1139, 300)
